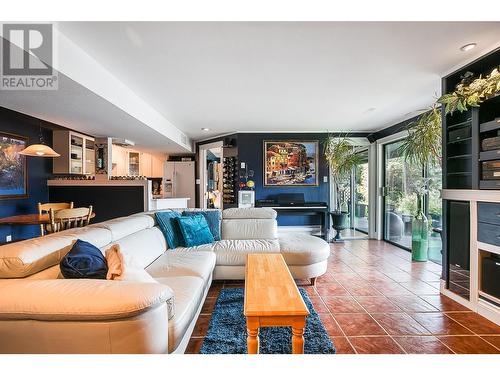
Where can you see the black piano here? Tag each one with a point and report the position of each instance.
(294, 204)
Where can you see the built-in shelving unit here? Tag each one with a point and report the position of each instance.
(469, 182)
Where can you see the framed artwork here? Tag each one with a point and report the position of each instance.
(290, 163)
(13, 171)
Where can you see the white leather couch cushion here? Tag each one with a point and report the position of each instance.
(249, 229)
(189, 292)
(21, 259)
(302, 249)
(53, 272)
(145, 333)
(125, 226)
(204, 247)
(82, 299)
(249, 213)
(234, 252)
(143, 246)
(94, 234)
(173, 263)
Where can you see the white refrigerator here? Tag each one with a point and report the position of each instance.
(179, 181)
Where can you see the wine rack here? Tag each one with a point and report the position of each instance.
(230, 181)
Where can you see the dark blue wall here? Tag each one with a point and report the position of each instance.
(39, 170)
(250, 151)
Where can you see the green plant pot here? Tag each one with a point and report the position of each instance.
(419, 236)
(340, 221)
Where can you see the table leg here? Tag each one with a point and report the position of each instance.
(298, 337)
(253, 337)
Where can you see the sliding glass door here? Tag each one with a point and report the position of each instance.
(354, 199)
(400, 200)
(434, 211)
(360, 194)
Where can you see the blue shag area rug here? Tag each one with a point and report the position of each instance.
(227, 333)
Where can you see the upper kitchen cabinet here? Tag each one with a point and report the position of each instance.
(134, 163)
(146, 164)
(130, 162)
(76, 150)
(157, 163)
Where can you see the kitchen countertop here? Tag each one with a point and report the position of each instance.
(97, 182)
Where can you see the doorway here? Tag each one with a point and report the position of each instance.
(210, 172)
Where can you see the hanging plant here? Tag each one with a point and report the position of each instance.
(471, 92)
(423, 143)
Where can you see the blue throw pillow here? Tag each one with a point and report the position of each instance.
(84, 261)
(213, 219)
(195, 230)
(170, 228)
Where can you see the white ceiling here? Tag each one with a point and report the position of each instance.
(283, 76)
(145, 81)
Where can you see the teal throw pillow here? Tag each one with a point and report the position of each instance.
(195, 230)
(213, 218)
(170, 228)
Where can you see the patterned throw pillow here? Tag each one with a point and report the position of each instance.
(213, 218)
(195, 230)
(170, 228)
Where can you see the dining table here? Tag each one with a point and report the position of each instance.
(29, 219)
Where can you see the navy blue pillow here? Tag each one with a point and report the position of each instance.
(213, 219)
(195, 230)
(170, 228)
(84, 261)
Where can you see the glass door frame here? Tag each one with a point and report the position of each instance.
(333, 193)
(353, 193)
(381, 185)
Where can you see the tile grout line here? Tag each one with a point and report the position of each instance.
(474, 333)
(335, 320)
(387, 333)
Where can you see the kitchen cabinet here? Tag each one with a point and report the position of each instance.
(76, 150)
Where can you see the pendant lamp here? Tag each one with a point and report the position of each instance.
(39, 149)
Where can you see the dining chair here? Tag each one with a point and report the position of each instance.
(69, 218)
(44, 208)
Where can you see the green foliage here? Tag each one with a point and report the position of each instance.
(341, 157)
(423, 143)
(408, 205)
(435, 205)
(471, 93)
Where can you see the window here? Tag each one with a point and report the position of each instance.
(400, 200)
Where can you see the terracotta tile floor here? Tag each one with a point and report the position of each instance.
(373, 299)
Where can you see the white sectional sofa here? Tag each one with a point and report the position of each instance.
(40, 312)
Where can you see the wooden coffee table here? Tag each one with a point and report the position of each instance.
(272, 300)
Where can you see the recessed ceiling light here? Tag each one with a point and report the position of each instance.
(468, 47)
(205, 129)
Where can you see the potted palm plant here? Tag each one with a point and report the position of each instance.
(341, 157)
(421, 147)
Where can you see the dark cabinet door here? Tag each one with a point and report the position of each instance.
(458, 246)
(459, 234)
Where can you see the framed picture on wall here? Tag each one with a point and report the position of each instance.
(290, 163)
(13, 171)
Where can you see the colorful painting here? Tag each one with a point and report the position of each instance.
(290, 163)
(13, 177)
